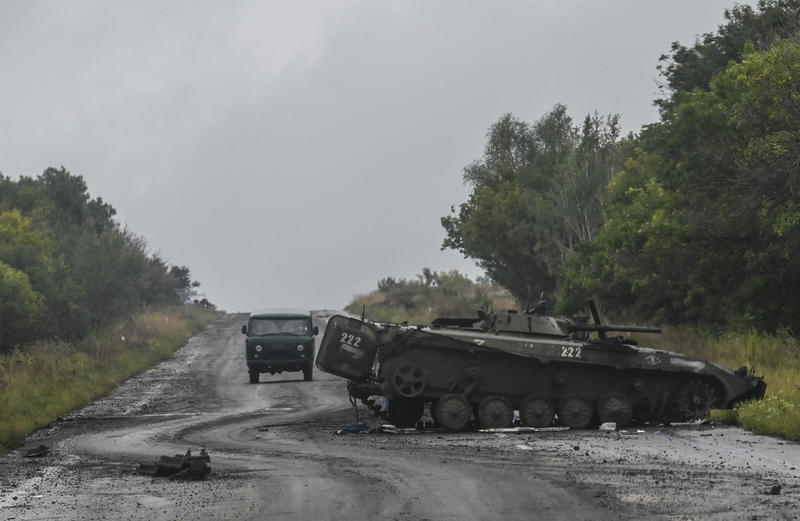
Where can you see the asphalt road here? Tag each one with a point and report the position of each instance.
(275, 454)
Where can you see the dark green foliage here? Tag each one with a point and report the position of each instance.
(66, 267)
(700, 224)
(704, 221)
(746, 27)
(536, 193)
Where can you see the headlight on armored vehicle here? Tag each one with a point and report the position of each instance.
(300, 347)
(259, 348)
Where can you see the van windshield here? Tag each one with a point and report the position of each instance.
(279, 326)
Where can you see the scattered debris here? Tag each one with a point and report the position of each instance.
(392, 429)
(360, 428)
(185, 466)
(353, 428)
(37, 452)
(608, 426)
(774, 490)
(522, 430)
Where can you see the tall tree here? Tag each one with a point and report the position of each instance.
(687, 68)
(536, 193)
(65, 259)
(704, 222)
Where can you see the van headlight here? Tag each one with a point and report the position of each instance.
(258, 348)
(300, 347)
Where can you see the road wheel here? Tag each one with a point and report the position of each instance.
(452, 412)
(616, 408)
(308, 372)
(495, 412)
(575, 412)
(404, 412)
(695, 400)
(253, 376)
(536, 411)
(408, 381)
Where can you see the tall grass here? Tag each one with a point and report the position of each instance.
(48, 379)
(417, 304)
(776, 357)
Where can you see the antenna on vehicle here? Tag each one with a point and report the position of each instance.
(596, 318)
(363, 312)
(527, 307)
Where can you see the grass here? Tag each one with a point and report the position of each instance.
(776, 357)
(46, 380)
(417, 304)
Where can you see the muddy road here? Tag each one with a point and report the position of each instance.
(275, 454)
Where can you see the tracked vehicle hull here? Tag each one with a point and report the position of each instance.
(547, 368)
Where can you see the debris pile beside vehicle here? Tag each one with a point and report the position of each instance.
(186, 466)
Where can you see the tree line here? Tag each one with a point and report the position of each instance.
(66, 265)
(693, 220)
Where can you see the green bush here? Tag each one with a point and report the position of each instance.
(778, 413)
(46, 380)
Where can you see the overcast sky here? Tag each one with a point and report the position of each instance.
(294, 153)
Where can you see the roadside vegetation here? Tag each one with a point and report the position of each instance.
(83, 304)
(431, 295)
(693, 222)
(776, 357)
(48, 379)
(67, 267)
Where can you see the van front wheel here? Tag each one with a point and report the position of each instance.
(253, 376)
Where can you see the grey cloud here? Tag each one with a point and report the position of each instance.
(292, 154)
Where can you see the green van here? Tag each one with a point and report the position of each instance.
(278, 341)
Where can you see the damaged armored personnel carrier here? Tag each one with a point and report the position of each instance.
(546, 367)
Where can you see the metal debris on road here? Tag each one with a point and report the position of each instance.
(185, 466)
(522, 430)
(37, 452)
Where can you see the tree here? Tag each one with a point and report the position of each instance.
(704, 222)
(536, 193)
(69, 261)
(687, 68)
(20, 307)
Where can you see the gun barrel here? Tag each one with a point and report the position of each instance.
(609, 327)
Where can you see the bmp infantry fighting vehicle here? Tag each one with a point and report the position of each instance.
(548, 368)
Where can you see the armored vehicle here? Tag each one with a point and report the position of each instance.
(549, 368)
(279, 340)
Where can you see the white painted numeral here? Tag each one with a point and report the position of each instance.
(570, 352)
(351, 340)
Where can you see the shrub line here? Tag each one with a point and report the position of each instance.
(46, 380)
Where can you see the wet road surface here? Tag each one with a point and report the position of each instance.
(275, 454)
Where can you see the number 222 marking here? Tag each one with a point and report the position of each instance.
(351, 340)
